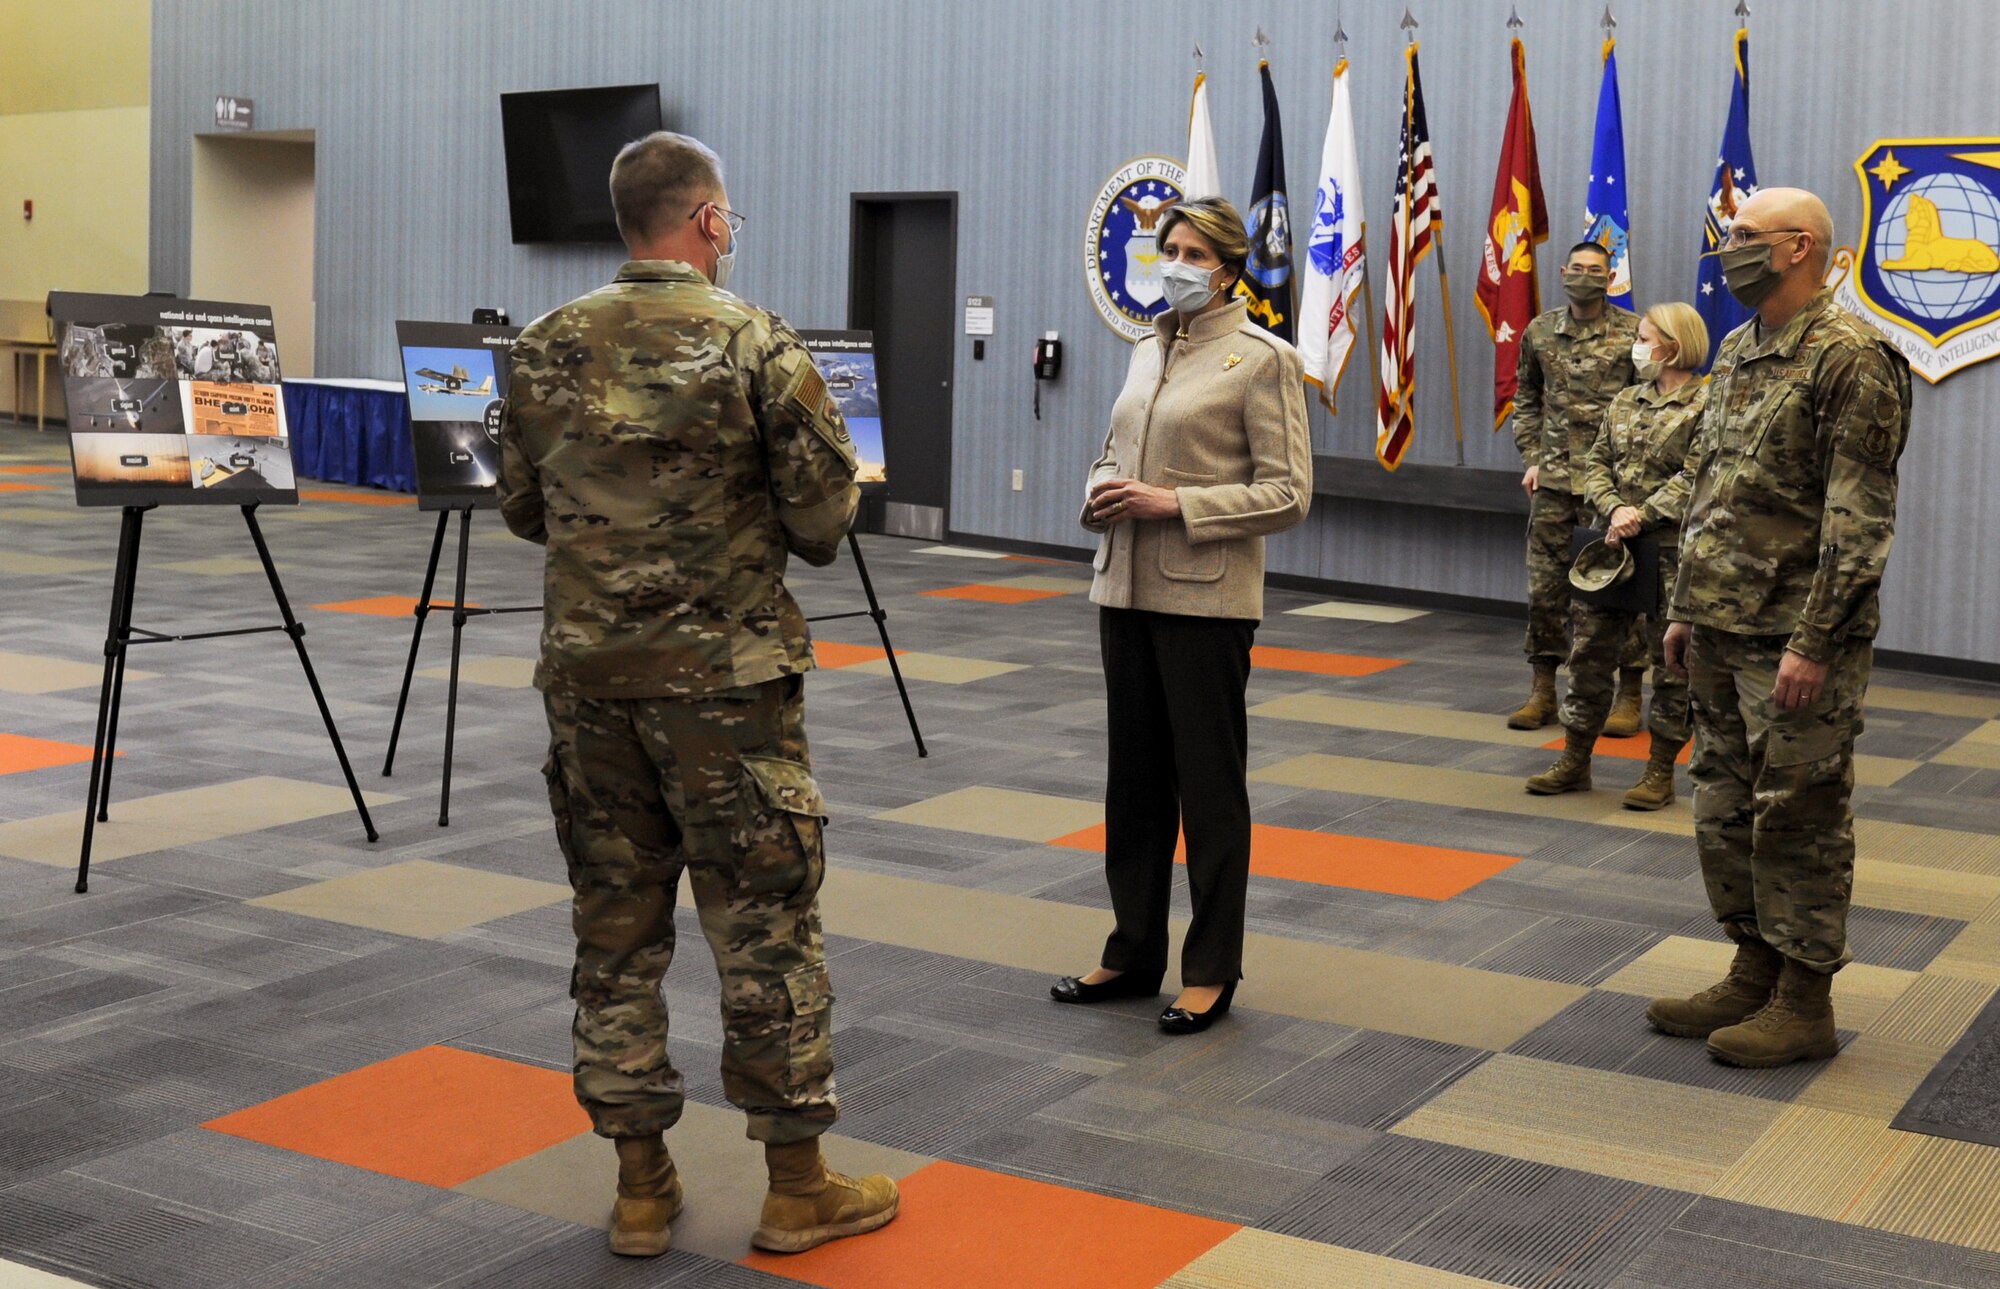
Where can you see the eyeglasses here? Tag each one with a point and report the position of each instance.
(1588, 270)
(729, 217)
(1739, 236)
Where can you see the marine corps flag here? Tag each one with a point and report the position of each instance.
(1735, 179)
(1509, 296)
(1203, 174)
(1417, 209)
(1266, 283)
(1336, 263)
(1607, 219)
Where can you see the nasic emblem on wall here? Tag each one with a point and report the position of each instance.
(1927, 273)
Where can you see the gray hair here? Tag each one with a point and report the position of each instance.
(661, 178)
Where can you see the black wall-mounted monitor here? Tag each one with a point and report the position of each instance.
(560, 146)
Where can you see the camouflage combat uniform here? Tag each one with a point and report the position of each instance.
(669, 444)
(1637, 460)
(1788, 528)
(1568, 372)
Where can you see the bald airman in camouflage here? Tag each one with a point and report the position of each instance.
(671, 444)
(1791, 515)
(1573, 360)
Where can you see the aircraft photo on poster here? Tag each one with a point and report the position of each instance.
(172, 402)
(456, 375)
(846, 359)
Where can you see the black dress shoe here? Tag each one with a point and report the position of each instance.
(1071, 989)
(1179, 1020)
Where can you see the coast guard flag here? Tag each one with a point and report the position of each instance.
(1336, 252)
(1509, 296)
(1605, 217)
(1417, 209)
(1735, 179)
(1266, 283)
(1204, 177)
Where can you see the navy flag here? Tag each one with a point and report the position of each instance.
(1266, 283)
(1735, 180)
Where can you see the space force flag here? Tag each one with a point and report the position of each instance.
(1266, 282)
(1203, 174)
(1336, 263)
(1508, 295)
(1606, 219)
(1735, 180)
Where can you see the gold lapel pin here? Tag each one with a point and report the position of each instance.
(1231, 361)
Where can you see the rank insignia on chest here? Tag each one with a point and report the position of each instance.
(1231, 361)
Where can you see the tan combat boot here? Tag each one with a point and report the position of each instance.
(1624, 719)
(1796, 1025)
(1540, 708)
(810, 1204)
(649, 1197)
(1655, 789)
(1571, 772)
(1733, 999)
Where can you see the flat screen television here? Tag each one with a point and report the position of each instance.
(560, 145)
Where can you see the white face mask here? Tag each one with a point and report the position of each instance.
(1188, 288)
(1648, 367)
(725, 262)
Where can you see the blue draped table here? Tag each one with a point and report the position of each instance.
(351, 431)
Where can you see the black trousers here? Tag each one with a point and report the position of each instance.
(1179, 747)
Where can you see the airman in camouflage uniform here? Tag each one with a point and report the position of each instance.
(1774, 614)
(1632, 484)
(1573, 360)
(670, 444)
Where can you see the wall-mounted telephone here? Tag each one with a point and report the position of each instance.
(1048, 365)
(1048, 357)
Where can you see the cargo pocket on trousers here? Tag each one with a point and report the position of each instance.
(811, 1041)
(1806, 742)
(559, 807)
(787, 851)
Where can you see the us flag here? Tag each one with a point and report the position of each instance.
(1417, 214)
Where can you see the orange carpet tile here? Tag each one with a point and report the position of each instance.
(387, 606)
(357, 498)
(34, 469)
(19, 753)
(1356, 863)
(993, 594)
(8, 486)
(832, 653)
(1637, 748)
(1320, 664)
(436, 1115)
(973, 1229)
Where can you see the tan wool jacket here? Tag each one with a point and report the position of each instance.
(1219, 415)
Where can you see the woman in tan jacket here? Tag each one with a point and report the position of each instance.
(1208, 452)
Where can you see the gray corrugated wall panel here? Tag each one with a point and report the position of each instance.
(1023, 107)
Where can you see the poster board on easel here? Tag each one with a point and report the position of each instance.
(456, 376)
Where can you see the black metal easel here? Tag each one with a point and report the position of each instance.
(459, 614)
(120, 639)
(881, 618)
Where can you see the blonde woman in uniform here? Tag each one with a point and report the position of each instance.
(1635, 479)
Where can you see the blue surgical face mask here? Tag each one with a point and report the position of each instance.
(1189, 289)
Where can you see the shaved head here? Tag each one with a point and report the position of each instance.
(1774, 208)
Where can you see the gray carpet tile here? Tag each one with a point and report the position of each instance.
(1715, 1242)
(1960, 1098)
(1369, 1080)
(1608, 1031)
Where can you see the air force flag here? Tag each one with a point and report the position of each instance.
(1606, 219)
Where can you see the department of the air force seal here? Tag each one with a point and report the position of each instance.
(1927, 273)
(1121, 253)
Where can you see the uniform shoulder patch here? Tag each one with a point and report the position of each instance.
(808, 396)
